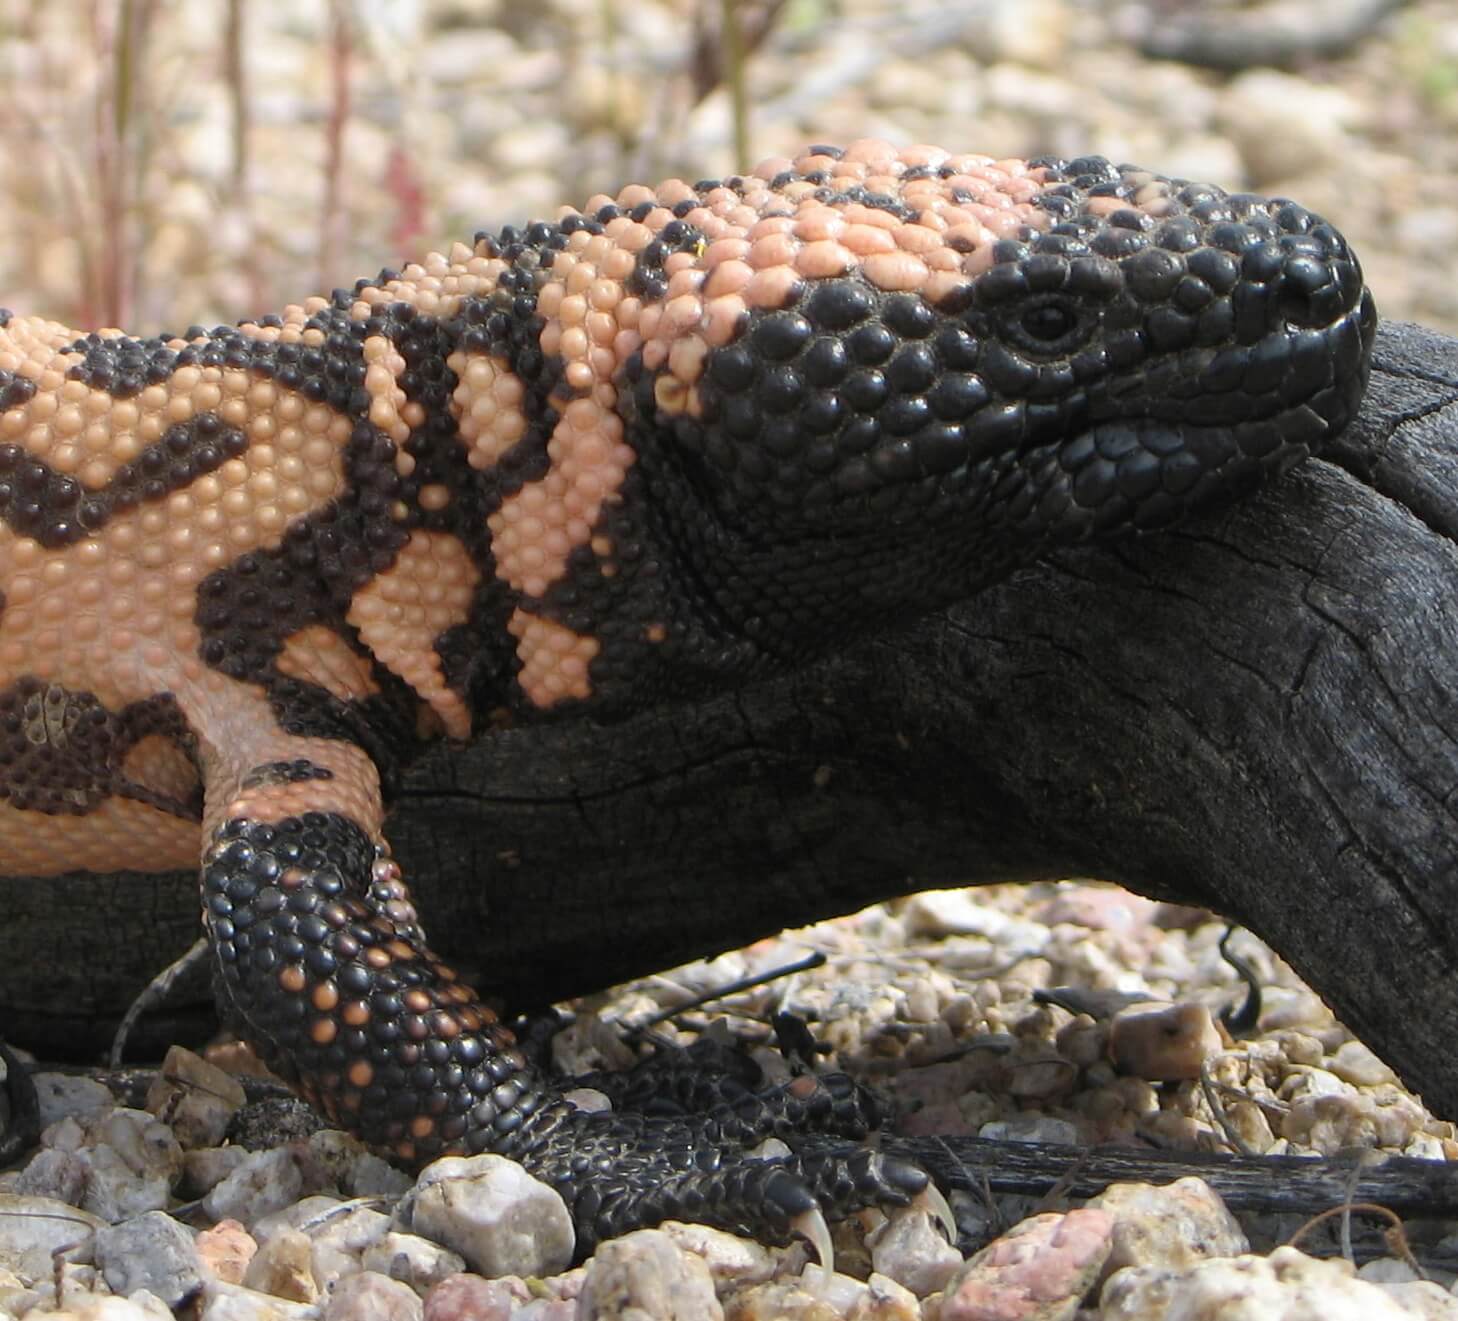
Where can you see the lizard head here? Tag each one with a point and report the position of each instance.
(970, 361)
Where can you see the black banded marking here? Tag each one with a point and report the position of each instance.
(285, 772)
(63, 752)
(58, 510)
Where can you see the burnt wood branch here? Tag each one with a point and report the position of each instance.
(1256, 713)
(1265, 1185)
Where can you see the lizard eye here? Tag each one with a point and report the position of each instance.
(1049, 325)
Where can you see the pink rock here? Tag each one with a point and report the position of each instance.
(1100, 908)
(370, 1296)
(1037, 1271)
(470, 1298)
(225, 1250)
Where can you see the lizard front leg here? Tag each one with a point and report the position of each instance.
(321, 961)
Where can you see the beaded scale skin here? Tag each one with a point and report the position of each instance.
(644, 451)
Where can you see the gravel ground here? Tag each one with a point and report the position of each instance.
(159, 206)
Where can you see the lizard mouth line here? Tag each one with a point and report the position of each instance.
(1215, 423)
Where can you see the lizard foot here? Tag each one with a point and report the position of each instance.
(620, 1171)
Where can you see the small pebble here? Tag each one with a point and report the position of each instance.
(1170, 1225)
(266, 1181)
(1356, 1064)
(646, 1274)
(225, 1251)
(491, 1211)
(369, 1296)
(1286, 1285)
(152, 1252)
(69, 1096)
(910, 1249)
(1163, 1043)
(412, 1260)
(1039, 1269)
(472, 1298)
(283, 1267)
(196, 1098)
(33, 1228)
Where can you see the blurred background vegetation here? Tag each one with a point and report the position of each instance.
(164, 162)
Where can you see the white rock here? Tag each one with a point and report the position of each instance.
(955, 913)
(1425, 1146)
(588, 1099)
(65, 1096)
(53, 1173)
(152, 1252)
(132, 1164)
(204, 1169)
(232, 1302)
(1286, 1286)
(1030, 1128)
(1171, 1225)
(66, 1134)
(32, 1228)
(911, 1250)
(283, 1267)
(451, 62)
(730, 1259)
(264, 1182)
(1356, 1119)
(308, 1213)
(1290, 1006)
(491, 1211)
(1387, 1270)
(645, 1274)
(114, 1190)
(342, 1238)
(1015, 88)
(813, 1297)
(412, 1260)
(530, 144)
(876, 1299)
(920, 1002)
(1304, 1082)
(1356, 1064)
(883, 1299)
(340, 1233)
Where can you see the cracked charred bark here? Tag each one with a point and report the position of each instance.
(1256, 713)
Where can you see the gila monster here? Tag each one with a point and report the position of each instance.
(656, 446)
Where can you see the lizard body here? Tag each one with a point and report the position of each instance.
(650, 449)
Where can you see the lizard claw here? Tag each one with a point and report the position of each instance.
(810, 1225)
(931, 1201)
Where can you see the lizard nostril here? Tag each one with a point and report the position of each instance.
(1309, 293)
